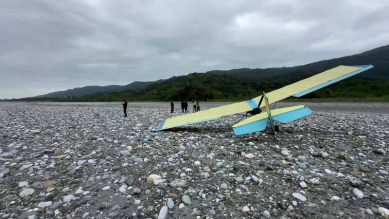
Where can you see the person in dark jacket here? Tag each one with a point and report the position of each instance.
(172, 107)
(186, 106)
(182, 106)
(125, 107)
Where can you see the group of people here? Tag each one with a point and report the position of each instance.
(184, 106)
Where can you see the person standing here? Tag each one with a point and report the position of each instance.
(186, 106)
(182, 106)
(172, 107)
(194, 106)
(125, 107)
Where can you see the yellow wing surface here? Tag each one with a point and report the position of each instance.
(297, 89)
(313, 83)
(206, 115)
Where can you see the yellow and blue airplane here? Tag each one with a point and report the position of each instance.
(259, 121)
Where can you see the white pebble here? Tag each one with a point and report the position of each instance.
(245, 209)
(335, 198)
(249, 156)
(384, 212)
(357, 193)
(23, 184)
(340, 175)
(45, 204)
(26, 192)
(68, 198)
(163, 212)
(369, 211)
(285, 153)
(266, 214)
(299, 196)
(383, 172)
(328, 171)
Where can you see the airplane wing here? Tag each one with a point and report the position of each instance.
(313, 83)
(297, 89)
(209, 114)
(259, 122)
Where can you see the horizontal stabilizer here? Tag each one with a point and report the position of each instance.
(256, 126)
(258, 122)
(293, 115)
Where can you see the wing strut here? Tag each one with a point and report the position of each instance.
(260, 102)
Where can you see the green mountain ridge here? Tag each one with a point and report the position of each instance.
(245, 83)
(88, 90)
(378, 57)
(213, 87)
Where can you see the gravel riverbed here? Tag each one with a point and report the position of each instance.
(88, 161)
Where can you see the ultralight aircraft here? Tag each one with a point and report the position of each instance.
(258, 121)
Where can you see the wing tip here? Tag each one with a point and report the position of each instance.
(362, 68)
(160, 126)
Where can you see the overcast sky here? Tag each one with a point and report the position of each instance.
(48, 45)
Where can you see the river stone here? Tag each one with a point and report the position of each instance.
(170, 203)
(299, 197)
(26, 192)
(44, 204)
(186, 200)
(223, 186)
(358, 193)
(178, 183)
(23, 184)
(163, 212)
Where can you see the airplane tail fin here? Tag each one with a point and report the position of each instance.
(268, 110)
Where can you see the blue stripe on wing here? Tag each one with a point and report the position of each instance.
(252, 104)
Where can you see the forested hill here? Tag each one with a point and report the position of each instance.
(241, 84)
(378, 57)
(211, 87)
(83, 91)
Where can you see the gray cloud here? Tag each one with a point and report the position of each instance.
(49, 45)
